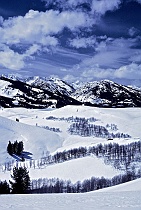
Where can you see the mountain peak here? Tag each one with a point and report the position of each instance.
(107, 93)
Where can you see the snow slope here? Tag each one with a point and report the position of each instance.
(76, 170)
(36, 140)
(128, 121)
(131, 186)
(99, 200)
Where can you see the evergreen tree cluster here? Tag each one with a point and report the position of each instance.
(15, 148)
(20, 183)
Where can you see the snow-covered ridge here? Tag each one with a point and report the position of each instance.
(52, 84)
(108, 94)
(37, 92)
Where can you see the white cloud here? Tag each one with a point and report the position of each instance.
(109, 53)
(136, 57)
(98, 73)
(39, 27)
(102, 6)
(35, 32)
(33, 49)
(113, 59)
(132, 71)
(11, 59)
(70, 78)
(139, 1)
(97, 6)
(83, 42)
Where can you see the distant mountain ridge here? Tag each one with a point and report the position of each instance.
(106, 93)
(34, 94)
(39, 92)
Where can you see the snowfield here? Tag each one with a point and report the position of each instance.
(128, 121)
(76, 170)
(105, 199)
(38, 141)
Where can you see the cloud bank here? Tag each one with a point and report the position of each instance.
(130, 73)
(76, 26)
(93, 6)
(35, 32)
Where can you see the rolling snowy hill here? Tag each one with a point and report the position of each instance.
(36, 140)
(47, 130)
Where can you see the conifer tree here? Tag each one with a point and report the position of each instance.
(20, 148)
(21, 179)
(4, 188)
(10, 148)
(15, 147)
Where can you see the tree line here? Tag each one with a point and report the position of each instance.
(22, 184)
(120, 156)
(94, 183)
(83, 128)
(72, 119)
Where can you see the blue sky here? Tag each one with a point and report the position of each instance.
(76, 40)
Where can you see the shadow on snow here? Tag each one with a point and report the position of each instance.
(24, 155)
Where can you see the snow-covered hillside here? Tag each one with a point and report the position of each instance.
(36, 140)
(75, 170)
(126, 120)
(48, 130)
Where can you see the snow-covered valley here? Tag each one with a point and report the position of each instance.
(37, 129)
(33, 129)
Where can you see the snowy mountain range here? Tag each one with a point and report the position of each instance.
(35, 93)
(39, 92)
